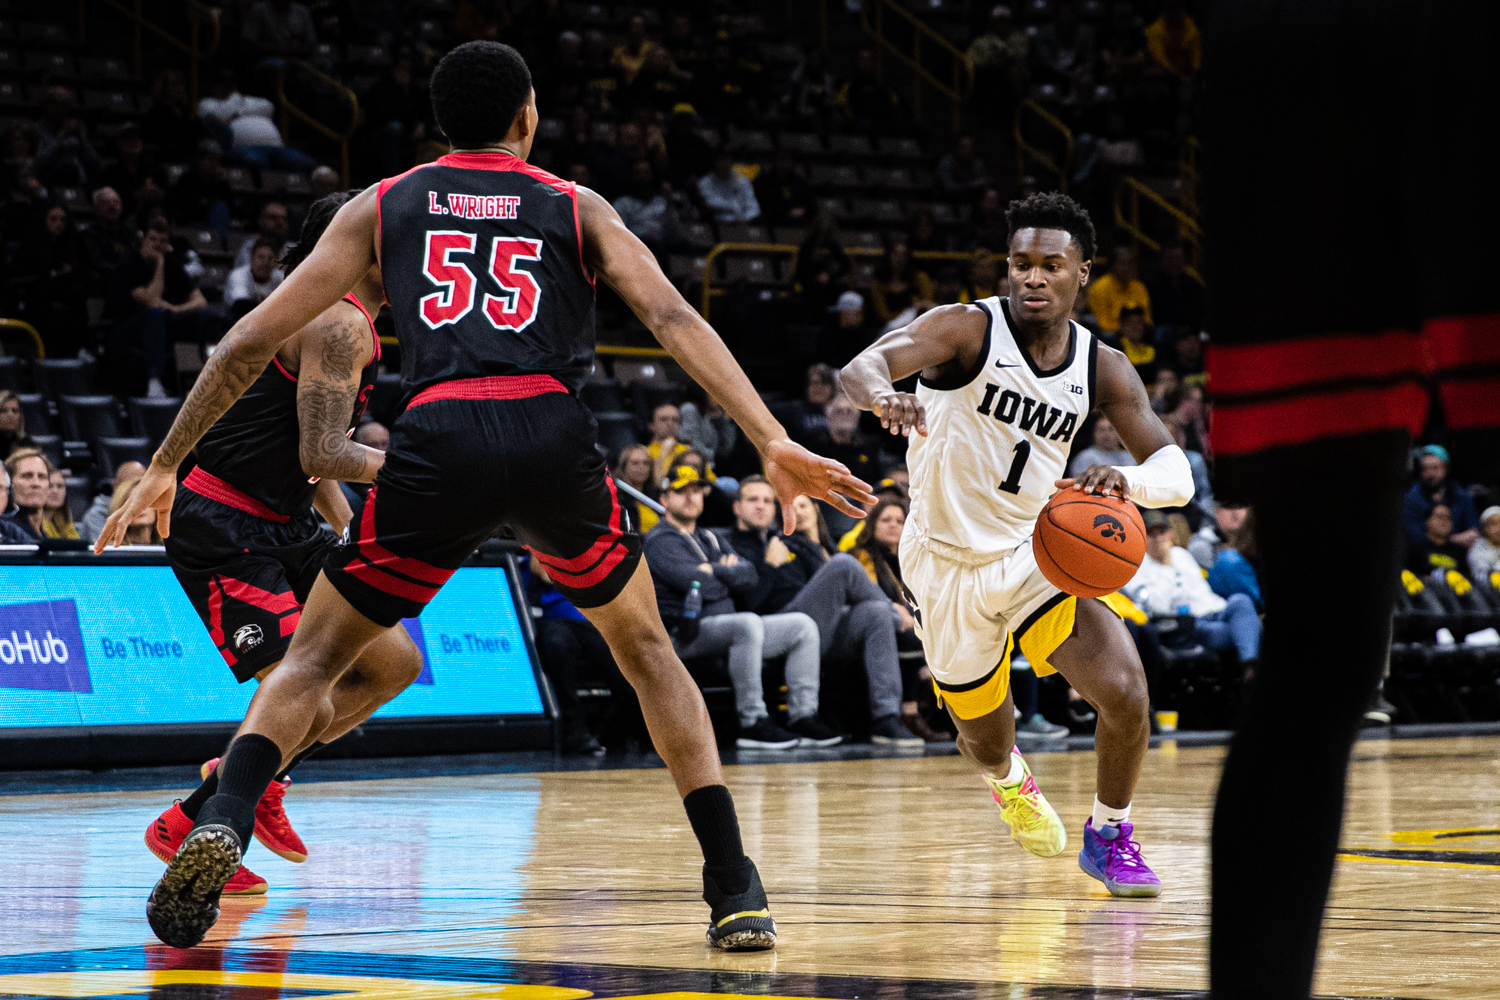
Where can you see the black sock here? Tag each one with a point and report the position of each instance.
(299, 759)
(248, 767)
(193, 804)
(711, 812)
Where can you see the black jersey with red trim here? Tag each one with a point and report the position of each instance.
(482, 256)
(254, 447)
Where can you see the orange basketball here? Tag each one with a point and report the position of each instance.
(1088, 545)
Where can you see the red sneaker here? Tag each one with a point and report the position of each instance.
(272, 828)
(166, 834)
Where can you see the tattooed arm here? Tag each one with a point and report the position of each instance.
(343, 256)
(335, 347)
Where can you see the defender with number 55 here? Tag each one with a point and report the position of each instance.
(1005, 384)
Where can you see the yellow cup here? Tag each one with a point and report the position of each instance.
(1166, 722)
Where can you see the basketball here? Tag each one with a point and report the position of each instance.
(1088, 545)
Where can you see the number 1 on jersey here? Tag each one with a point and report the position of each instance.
(1012, 482)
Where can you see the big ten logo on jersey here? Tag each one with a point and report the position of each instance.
(475, 206)
(1031, 415)
(517, 296)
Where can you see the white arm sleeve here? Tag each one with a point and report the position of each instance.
(1163, 480)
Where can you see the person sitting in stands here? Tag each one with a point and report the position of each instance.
(633, 468)
(1436, 555)
(98, 512)
(29, 471)
(57, 519)
(1484, 555)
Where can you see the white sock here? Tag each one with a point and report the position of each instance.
(1016, 774)
(1108, 815)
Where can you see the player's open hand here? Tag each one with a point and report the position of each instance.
(153, 494)
(900, 413)
(794, 471)
(1102, 479)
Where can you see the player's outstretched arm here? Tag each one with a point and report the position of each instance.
(335, 349)
(625, 263)
(341, 258)
(1162, 476)
(938, 341)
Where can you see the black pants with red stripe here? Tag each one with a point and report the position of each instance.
(1353, 204)
(466, 459)
(247, 576)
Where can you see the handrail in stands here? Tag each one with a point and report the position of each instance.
(1025, 151)
(792, 250)
(1189, 177)
(288, 108)
(29, 330)
(963, 70)
(196, 13)
(1128, 195)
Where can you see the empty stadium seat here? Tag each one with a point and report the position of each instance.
(50, 63)
(752, 270)
(788, 235)
(604, 396)
(37, 414)
(743, 232)
(902, 147)
(201, 240)
(850, 145)
(152, 418)
(80, 498)
(112, 452)
(698, 235)
(802, 144)
(648, 397)
(10, 374)
(385, 398)
(617, 431)
(88, 418)
(682, 268)
(58, 377)
(50, 445)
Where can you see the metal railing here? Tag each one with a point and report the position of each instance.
(197, 14)
(1128, 197)
(1189, 177)
(29, 330)
(290, 110)
(791, 250)
(962, 70)
(1025, 151)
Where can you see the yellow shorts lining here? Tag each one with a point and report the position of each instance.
(979, 697)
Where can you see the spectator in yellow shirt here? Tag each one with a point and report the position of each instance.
(1120, 288)
(665, 426)
(1174, 42)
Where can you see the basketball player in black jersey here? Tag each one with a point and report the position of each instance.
(246, 547)
(489, 265)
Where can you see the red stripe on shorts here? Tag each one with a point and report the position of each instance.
(256, 597)
(491, 387)
(579, 563)
(209, 485)
(378, 556)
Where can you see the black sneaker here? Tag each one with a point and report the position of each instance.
(766, 735)
(185, 903)
(888, 731)
(815, 733)
(741, 922)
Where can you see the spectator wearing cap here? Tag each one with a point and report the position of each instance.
(1169, 582)
(252, 283)
(854, 618)
(1437, 553)
(682, 554)
(852, 329)
(1117, 290)
(718, 495)
(1433, 487)
(1484, 554)
(728, 193)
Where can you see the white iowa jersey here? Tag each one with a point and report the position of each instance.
(998, 438)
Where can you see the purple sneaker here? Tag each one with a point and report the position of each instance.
(1110, 856)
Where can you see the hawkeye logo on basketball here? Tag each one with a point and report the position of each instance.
(1032, 415)
(472, 206)
(1110, 527)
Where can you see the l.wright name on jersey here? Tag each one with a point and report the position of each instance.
(473, 206)
(1031, 415)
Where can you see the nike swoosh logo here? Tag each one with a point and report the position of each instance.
(999, 365)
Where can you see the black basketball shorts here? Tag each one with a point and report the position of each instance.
(467, 458)
(246, 569)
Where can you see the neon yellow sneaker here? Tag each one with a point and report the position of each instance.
(1034, 824)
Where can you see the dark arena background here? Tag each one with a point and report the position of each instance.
(1278, 220)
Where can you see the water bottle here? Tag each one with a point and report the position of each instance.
(1183, 609)
(692, 612)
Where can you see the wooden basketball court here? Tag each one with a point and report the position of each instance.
(890, 878)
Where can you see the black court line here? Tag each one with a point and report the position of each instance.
(602, 980)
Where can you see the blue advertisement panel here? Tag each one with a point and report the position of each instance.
(120, 645)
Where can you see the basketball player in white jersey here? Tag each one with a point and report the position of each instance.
(1005, 384)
